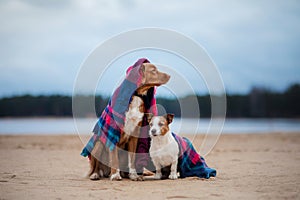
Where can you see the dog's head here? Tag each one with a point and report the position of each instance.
(159, 125)
(153, 77)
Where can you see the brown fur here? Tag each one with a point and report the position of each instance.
(165, 121)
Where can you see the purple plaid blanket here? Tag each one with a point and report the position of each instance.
(111, 122)
(190, 163)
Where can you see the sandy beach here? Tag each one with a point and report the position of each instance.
(249, 166)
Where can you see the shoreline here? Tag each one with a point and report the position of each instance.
(59, 126)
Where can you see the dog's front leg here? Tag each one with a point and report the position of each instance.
(132, 145)
(114, 160)
(173, 174)
(158, 173)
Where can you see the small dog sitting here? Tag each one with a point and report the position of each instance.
(168, 149)
(164, 149)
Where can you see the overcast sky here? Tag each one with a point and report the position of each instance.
(43, 43)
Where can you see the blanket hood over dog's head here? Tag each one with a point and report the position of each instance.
(122, 95)
(111, 122)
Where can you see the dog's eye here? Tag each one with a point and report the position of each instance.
(160, 124)
(154, 72)
(150, 124)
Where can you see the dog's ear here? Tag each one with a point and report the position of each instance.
(149, 116)
(169, 118)
(142, 68)
(142, 73)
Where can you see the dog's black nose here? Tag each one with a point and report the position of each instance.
(153, 131)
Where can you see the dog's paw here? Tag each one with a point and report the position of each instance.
(95, 176)
(173, 176)
(133, 176)
(115, 177)
(139, 178)
(157, 176)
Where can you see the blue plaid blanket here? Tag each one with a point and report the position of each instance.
(190, 163)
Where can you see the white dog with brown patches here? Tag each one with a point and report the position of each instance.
(164, 150)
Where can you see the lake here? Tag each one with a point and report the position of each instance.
(187, 126)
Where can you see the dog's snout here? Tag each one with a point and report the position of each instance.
(153, 131)
(168, 76)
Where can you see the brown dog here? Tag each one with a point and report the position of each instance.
(151, 77)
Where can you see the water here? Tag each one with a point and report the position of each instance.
(187, 126)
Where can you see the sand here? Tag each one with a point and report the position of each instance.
(252, 166)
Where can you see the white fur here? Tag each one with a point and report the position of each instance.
(132, 172)
(132, 118)
(164, 150)
(95, 175)
(116, 176)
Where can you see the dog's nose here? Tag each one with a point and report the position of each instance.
(153, 131)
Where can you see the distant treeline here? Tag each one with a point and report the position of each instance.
(258, 103)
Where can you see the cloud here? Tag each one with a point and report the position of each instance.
(252, 42)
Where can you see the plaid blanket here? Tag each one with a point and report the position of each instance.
(190, 163)
(111, 122)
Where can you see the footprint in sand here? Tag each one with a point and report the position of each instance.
(7, 177)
